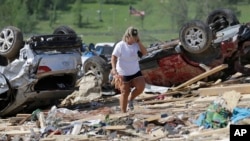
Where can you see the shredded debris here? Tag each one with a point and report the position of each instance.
(173, 115)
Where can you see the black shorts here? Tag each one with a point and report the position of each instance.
(130, 77)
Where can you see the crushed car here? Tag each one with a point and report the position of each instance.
(200, 47)
(38, 71)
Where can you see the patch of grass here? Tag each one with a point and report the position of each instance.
(156, 25)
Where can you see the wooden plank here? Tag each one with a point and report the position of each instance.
(116, 127)
(48, 139)
(207, 99)
(210, 132)
(156, 95)
(157, 106)
(156, 117)
(232, 98)
(20, 127)
(23, 115)
(169, 100)
(41, 119)
(131, 132)
(212, 91)
(24, 119)
(68, 137)
(18, 132)
(102, 117)
(245, 97)
(15, 119)
(201, 76)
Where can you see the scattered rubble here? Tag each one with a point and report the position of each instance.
(89, 89)
(192, 111)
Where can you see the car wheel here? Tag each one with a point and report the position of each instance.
(99, 66)
(195, 36)
(221, 18)
(11, 41)
(64, 30)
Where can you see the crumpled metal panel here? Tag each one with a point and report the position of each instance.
(17, 73)
(3, 84)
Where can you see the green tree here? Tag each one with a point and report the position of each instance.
(205, 7)
(38, 8)
(53, 11)
(24, 21)
(42, 10)
(77, 10)
(147, 8)
(17, 15)
(178, 10)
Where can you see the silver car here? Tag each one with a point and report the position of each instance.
(39, 71)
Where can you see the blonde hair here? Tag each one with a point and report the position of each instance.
(131, 31)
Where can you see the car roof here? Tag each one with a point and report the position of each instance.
(111, 44)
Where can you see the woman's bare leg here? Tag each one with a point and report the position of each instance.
(139, 85)
(125, 90)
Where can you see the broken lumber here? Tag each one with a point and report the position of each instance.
(213, 91)
(209, 133)
(67, 137)
(168, 100)
(116, 127)
(201, 76)
(232, 98)
(156, 95)
(25, 119)
(156, 117)
(18, 132)
(41, 119)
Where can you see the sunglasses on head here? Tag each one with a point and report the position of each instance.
(134, 32)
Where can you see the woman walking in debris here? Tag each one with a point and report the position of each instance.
(125, 67)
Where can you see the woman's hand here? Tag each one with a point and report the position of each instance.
(137, 39)
(114, 72)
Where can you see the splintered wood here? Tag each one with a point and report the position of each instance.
(167, 116)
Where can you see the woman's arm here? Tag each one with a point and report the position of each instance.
(142, 48)
(113, 63)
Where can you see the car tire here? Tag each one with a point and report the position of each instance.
(11, 41)
(99, 66)
(64, 30)
(221, 18)
(195, 36)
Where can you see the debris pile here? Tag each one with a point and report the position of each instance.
(197, 111)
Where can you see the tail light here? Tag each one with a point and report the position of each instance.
(43, 69)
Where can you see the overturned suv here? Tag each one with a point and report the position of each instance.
(38, 71)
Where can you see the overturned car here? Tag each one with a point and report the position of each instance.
(201, 46)
(38, 71)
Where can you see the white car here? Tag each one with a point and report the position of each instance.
(39, 71)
